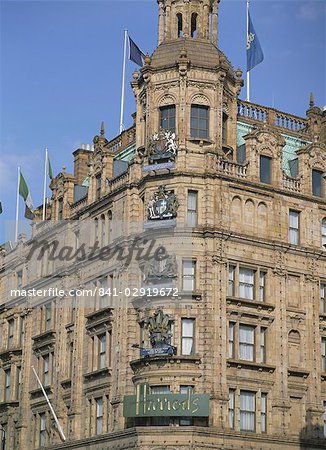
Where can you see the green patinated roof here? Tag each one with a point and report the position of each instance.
(289, 150)
(127, 154)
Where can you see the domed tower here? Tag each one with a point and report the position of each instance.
(188, 86)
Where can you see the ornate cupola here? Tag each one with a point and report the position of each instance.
(191, 18)
(186, 92)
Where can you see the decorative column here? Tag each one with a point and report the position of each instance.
(161, 22)
(215, 23)
(168, 20)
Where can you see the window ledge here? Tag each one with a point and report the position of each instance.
(298, 372)
(7, 353)
(8, 404)
(240, 363)
(200, 141)
(44, 335)
(97, 373)
(66, 383)
(251, 303)
(34, 393)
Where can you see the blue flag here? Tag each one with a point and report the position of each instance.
(135, 54)
(255, 53)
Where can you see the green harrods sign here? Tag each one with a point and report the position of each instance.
(145, 404)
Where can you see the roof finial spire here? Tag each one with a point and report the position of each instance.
(102, 128)
(312, 100)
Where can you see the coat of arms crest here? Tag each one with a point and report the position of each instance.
(162, 147)
(163, 205)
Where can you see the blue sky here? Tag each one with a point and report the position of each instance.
(61, 72)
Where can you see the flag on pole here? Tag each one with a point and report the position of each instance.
(48, 166)
(135, 54)
(24, 192)
(255, 53)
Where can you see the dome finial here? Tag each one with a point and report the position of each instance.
(312, 100)
(102, 128)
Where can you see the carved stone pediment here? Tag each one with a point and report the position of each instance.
(316, 155)
(265, 140)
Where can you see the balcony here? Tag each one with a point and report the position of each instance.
(291, 184)
(231, 168)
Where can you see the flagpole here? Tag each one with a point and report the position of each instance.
(123, 80)
(50, 406)
(248, 72)
(44, 183)
(17, 205)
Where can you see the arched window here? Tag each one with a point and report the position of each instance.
(103, 229)
(194, 25)
(180, 25)
(110, 224)
(224, 128)
(96, 229)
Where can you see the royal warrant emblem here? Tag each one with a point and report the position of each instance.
(163, 205)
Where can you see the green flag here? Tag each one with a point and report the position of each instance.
(49, 168)
(24, 192)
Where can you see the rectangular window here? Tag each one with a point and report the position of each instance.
(46, 367)
(188, 330)
(60, 208)
(167, 118)
(19, 382)
(262, 287)
(4, 433)
(7, 385)
(323, 354)
(231, 340)
(231, 408)
(294, 227)
(241, 153)
(323, 234)
(322, 298)
(263, 412)
(263, 334)
(99, 415)
(42, 440)
(324, 416)
(317, 183)
(98, 181)
(246, 342)
(48, 316)
(101, 351)
(19, 279)
(21, 330)
(231, 281)
(265, 169)
(199, 122)
(103, 293)
(224, 128)
(11, 328)
(186, 421)
(246, 283)
(192, 208)
(247, 411)
(189, 275)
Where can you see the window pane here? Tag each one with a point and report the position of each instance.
(199, 121)
(187, 336)
(317, 179)
(247, 411)
(265, 169)
(246, 283)
(246, 342)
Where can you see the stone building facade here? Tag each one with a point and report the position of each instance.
(236, 193)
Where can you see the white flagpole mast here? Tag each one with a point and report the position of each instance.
(248, 72)
(123, 81)
(17, 205)
(50, 406)
(44, 182)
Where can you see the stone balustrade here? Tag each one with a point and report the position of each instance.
(232, 168)
(292, 184)
(271, 116)
(118, 181)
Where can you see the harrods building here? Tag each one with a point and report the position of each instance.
(224, 347)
